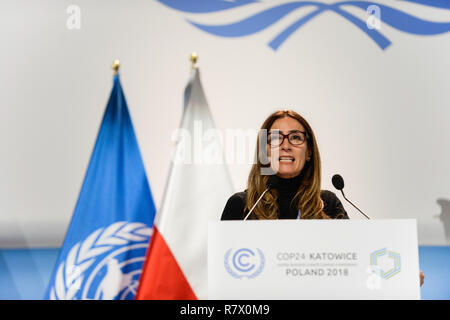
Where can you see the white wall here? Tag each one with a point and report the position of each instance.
(381, 116)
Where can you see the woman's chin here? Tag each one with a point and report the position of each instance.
(286, 174)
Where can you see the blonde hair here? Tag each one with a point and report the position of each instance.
(307, 198)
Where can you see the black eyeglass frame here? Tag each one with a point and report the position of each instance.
(287, 136)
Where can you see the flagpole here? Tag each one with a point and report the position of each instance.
(116, 66)
(193, 58)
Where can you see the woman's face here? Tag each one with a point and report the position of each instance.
(288, 160)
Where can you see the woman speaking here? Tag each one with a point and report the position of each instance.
(288, 167)
(288, 164)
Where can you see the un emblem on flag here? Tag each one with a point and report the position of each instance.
(104, 266)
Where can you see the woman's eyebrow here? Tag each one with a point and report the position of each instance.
(290, 131)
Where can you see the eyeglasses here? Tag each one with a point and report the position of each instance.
(296, 138)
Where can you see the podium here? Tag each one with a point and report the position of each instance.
(313, 259)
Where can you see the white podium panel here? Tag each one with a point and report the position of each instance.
(313, 259)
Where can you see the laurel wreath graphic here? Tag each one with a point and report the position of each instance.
(250, 276)
(261, 266)
(227, 266)
(70, 273)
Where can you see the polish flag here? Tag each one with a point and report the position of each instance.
(196, 193)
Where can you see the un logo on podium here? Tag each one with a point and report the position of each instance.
(244, 262)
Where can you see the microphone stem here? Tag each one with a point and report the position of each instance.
(256, 203)
(353, 204)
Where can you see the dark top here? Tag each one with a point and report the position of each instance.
(234, 209)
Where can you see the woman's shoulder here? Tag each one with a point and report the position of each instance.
(234, 208)
(328, 195)
(239, 196)
(332, 205)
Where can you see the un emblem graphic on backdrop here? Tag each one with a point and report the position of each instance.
(244, 262)
(104, 266)
(266, 17)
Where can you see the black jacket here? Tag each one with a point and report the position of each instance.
(234, 209)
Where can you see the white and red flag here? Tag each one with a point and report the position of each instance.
(196, 193)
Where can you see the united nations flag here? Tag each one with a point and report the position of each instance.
(105, 244)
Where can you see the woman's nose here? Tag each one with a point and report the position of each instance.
(286, 145)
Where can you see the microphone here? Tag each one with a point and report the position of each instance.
(272, 183)
(338, 183)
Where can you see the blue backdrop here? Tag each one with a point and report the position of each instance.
(25, 273)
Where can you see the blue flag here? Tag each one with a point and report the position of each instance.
(105, 244)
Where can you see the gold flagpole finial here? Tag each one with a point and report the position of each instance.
(193, 58)
(116, 66)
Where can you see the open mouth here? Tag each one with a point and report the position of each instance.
(286, 159)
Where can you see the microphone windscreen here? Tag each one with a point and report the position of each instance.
(273, 182)
(338, 181)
